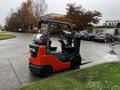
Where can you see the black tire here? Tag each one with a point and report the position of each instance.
(92, 39)
(111, 40)
(76, 62)
(46, 71)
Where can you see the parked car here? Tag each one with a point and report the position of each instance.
(85, 37)
(20, 30)
(81, 34)
(117, 37)
(92, 36)
(105, 38)
(89, 36)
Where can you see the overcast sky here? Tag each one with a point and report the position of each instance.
(109, 8)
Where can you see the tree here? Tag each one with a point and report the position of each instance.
(39, 8)
(26, 11)
(26, 17)
(82, 18)
(1, 27)
(12, 21)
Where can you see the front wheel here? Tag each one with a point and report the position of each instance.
(76, 62)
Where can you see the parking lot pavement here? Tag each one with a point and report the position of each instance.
(116, 48)
(96, 53)
(8, 79)
(14, 53)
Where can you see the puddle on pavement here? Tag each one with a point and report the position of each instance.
(110, 57)
(104, 59)
(112, 52)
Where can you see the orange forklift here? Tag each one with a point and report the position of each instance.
(44, 59)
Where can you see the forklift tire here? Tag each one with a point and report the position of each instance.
(46, 71)
(75, 63)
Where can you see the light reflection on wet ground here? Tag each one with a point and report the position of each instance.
(97, 53)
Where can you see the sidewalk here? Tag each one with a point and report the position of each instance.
(2, 31)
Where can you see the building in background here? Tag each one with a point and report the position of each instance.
(110, 26)
(112, 23)
(51, 15)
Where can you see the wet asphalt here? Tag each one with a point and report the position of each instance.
(14, 53)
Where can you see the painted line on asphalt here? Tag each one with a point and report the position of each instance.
(14, 72)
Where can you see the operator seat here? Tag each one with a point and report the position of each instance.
(69, 40)
(62, 45)
(66, 49)
(50, 47)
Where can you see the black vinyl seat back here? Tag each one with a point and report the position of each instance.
(69, 41)
(62, 43)
(63, 46)
(50, 47)
(67, 49)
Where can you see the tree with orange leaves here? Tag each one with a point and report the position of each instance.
(27, 12)
(82, 18)
(27, 16)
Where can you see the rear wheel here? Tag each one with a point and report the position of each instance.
(76, 62)
(46, 71)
